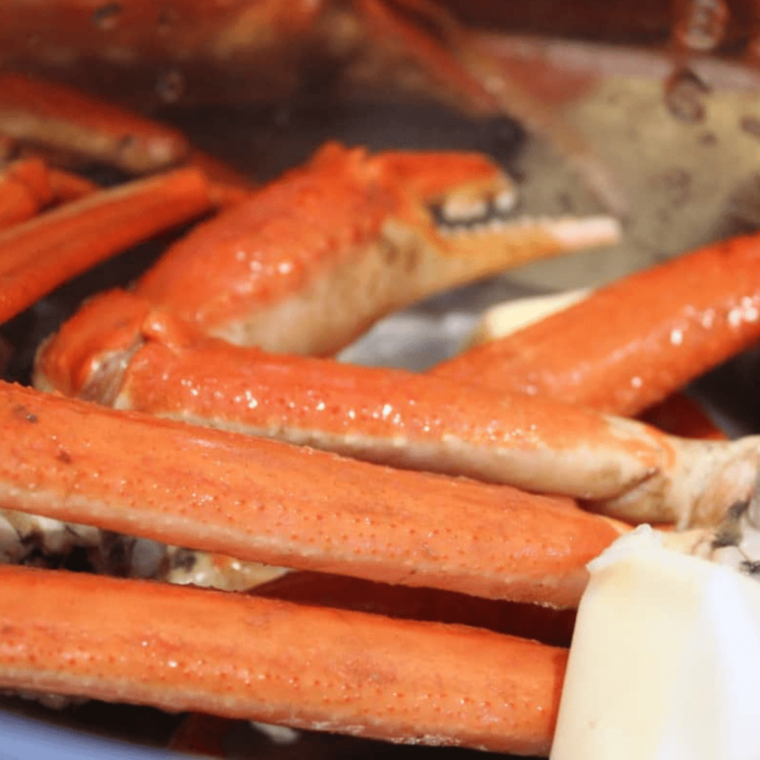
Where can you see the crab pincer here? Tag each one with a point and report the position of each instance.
(310, 261)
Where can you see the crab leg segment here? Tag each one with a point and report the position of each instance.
(677, 414)
(24, 190)
(289, 506)
(613, 465)
(681, 415)
(69, 124)
(67, 186)
(309, 262)
(61, 118)
(27, 186)
(347, 672)
(639, 339)
(42, 253)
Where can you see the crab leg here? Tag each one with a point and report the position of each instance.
(289, 506)
(24, 190)
(677, 414)
(68, 123)
(680, 415)
(61, 118)
(67, 186)
(398, 418)
(27, 186)
(42, 253)
(185, 649)
(630, 344)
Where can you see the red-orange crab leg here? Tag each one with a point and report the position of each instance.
(69, 187)
(289, 506)
(311, 260)
(24, 190)
(677, 414)
(228, 186)
(42, 253)
(59, 117)
(630, 344)
(393, 417)
(28, 185)
(347, 672)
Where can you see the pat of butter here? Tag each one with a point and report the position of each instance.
(665, 660)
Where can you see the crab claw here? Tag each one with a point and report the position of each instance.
(310, 261)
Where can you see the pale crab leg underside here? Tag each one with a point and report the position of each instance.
(316, 668)
(289, 506)
(616, 466)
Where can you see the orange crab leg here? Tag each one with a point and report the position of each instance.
(185, 649)
(66, 122)
(397, 418)
(549, 625)
(632, 343)
(229, 187)
(40, 254)
(60, 117)
(24, 190)
(677, 414)
(28, 185)
(69, 187)
(289, 506)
